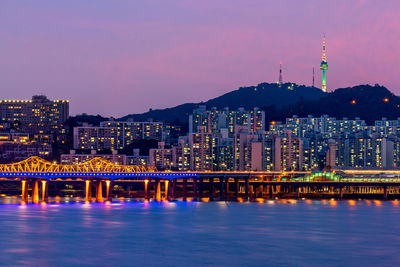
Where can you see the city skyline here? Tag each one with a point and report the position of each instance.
(129, 57)
(192, 133)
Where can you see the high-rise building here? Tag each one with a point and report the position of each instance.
(396, 154)
(161, 157)
(331, 154)
(115, 134)
(95, 138)
(301, 144)
(201, 148)
(365, 151)
(181, 155)
(314, 152)
(127, 131)
(224, 154)
(18, 146)
(268, 153)
(37, 116)
(288, 152)
(137, 159)
(324, 65)
(327, 126)
(244, 154)
(213, 120)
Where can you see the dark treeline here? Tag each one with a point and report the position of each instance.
(368, 102)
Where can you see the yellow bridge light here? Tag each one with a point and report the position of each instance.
(95, 165)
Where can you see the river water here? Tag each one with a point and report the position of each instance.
(265, 233)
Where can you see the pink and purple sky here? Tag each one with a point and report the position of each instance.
(120, 57)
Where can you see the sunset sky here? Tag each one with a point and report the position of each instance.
(120, 57)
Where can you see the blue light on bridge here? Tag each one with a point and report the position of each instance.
(112, 176)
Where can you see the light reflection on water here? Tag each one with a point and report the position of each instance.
(269, 232)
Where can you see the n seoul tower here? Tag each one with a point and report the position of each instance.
(324, 65)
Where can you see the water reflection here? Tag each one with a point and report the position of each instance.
(284, 231)
(352, 202)
(333, 202)
(121, 200)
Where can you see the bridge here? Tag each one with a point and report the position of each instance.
(35, 174)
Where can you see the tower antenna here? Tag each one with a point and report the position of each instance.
(280, 74)
(313, 77)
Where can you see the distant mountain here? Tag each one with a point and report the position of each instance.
(280, 102)
(367, 102)
(78, 120)
(178, 114)
(264, 94)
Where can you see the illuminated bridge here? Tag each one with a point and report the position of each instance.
(35, 167)
(35, 174)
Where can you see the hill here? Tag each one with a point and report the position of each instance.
(367, 102)
(280, 102)
(78, 120)
(264, 94)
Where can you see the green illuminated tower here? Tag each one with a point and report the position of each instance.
(324, 66)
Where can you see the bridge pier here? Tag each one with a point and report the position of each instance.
(201, 188)
(340, 192)
(251, 191)
(24, 191)
(108, 190)
(128, 191)
(385, 193)
(88, 190)
(184, 188)
(158, 190)
(45, 191)
(173, 188)
(194, 188)
(260, 191)
(211, 182)
(171, 194)
(236, 187)
(146, 189)
(35, 192)
(271, 191)
(166, 189)
(99, 191)
(226, 180)
(221, 188)
(246, 188)
(297, 192)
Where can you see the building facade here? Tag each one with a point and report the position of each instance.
(37, 116)
(115, 135)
